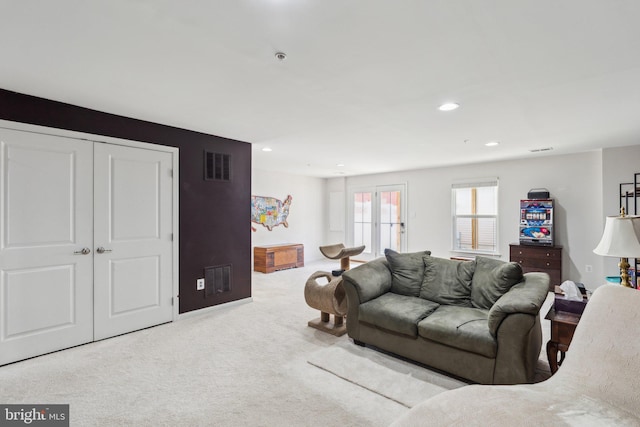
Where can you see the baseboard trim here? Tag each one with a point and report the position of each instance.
(214, 308)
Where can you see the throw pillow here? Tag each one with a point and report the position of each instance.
(407, 270)
(447, 281)
(492, 279)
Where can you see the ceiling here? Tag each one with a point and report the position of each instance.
(362, 79)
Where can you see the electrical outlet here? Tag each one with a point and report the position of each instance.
(588, 268)
(199, 284)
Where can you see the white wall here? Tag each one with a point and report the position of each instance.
(335, 233)
(307, 214)
(575, 182)
(585, 187)
(619, 165)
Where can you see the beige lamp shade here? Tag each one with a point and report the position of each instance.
(621, 237)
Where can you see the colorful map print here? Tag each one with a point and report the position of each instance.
(269, 211)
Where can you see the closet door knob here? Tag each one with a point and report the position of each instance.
(83, 251)
(102, 250)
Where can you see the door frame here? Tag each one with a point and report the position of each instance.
(375, 214)
(174, 151)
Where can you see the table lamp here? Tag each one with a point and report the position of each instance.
(621, 239)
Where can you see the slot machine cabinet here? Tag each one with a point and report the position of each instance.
(536, 222)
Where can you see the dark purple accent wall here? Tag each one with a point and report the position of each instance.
(215, 226)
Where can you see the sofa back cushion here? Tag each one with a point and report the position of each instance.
(492, 279)
(407, 270)
(447, 281)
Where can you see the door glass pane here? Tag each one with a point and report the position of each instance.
(390, 228)
(362, 220)
(385, 237)
(366, 238)
(385, 207)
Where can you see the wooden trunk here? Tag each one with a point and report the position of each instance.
(267, 259)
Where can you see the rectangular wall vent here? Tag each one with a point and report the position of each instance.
(537, 150)
(217, 166)
(217, 280)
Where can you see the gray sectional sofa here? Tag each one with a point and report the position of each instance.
(477, 320)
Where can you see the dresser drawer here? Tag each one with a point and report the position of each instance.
(538, 252)
(533, 263)
(539, 259)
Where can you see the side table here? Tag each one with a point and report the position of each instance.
(563, 325)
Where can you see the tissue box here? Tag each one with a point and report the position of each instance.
(571, 306)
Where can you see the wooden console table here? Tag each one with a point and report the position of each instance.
(267, 259)
(563, 325)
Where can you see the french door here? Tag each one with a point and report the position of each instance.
(85, 241)
(377, 219)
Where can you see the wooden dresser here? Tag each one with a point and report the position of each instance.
(547, 259)
(267, 259)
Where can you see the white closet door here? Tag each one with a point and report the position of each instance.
(46, 220)
(133, 240)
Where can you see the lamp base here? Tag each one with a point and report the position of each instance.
(624, 272)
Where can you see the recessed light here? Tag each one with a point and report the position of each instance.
(281, 56)
(492, 143)
(449, 106)
(267, 149)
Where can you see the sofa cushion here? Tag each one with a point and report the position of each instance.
(407, 270)
(397, 313)
(492, 278)
(447, 281)
(460, 327)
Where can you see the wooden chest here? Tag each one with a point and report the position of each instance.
(539, 258)
(267, 259)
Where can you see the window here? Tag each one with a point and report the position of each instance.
(475, 216)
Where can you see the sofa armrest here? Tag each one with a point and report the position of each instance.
(362, 284)
(369, 280)
(525, 297)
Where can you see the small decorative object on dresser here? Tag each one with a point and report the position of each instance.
(539, 258)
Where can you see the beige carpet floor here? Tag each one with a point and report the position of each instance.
(243, 365)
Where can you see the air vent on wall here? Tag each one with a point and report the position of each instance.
(217, 280)
(217, 166)
(538, 150)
